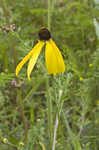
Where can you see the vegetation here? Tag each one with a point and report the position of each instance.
(50, 112)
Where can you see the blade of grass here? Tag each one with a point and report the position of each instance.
(74, 140)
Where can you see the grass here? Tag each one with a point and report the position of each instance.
(49, 113)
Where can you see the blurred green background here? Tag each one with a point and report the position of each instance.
(28, 109)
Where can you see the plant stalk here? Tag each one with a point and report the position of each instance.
(55, 132)
(49, 14)
(49, 102)
(49, 105)
(21, 106)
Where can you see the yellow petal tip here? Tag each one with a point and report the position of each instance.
(16, 73)
(29, 78)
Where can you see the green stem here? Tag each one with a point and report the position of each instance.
(49, 104)
(59, 106)
(74, 141)
(55, 132)
(5, 11)
(21, 105)
(13, 51)
(67, 126)
(14, 54)
(52, 6)
(49, 14)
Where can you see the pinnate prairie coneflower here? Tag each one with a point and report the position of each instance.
(53, 58)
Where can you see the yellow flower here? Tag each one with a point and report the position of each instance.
(38, 120)
(96, 121)
(97, 102)
(90, 65)
(53, 58)
(81, 79)
(5, 140)
(21, 144)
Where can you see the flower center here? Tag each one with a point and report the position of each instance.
(44, 34)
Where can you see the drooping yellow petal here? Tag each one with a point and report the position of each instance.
(25, 59)
(33, 59)
(54, 60)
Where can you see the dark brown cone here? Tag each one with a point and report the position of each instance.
(44, 34)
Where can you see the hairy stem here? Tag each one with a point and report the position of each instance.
(55, 132)
(49, 102)
(49, 105)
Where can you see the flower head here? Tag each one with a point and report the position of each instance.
(21, 144)
(81, 79)
(5, 140)
(90, 65)
(53, 58)
(97, 101)
(44, 34)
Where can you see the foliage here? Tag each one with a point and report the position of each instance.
(72, 96)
